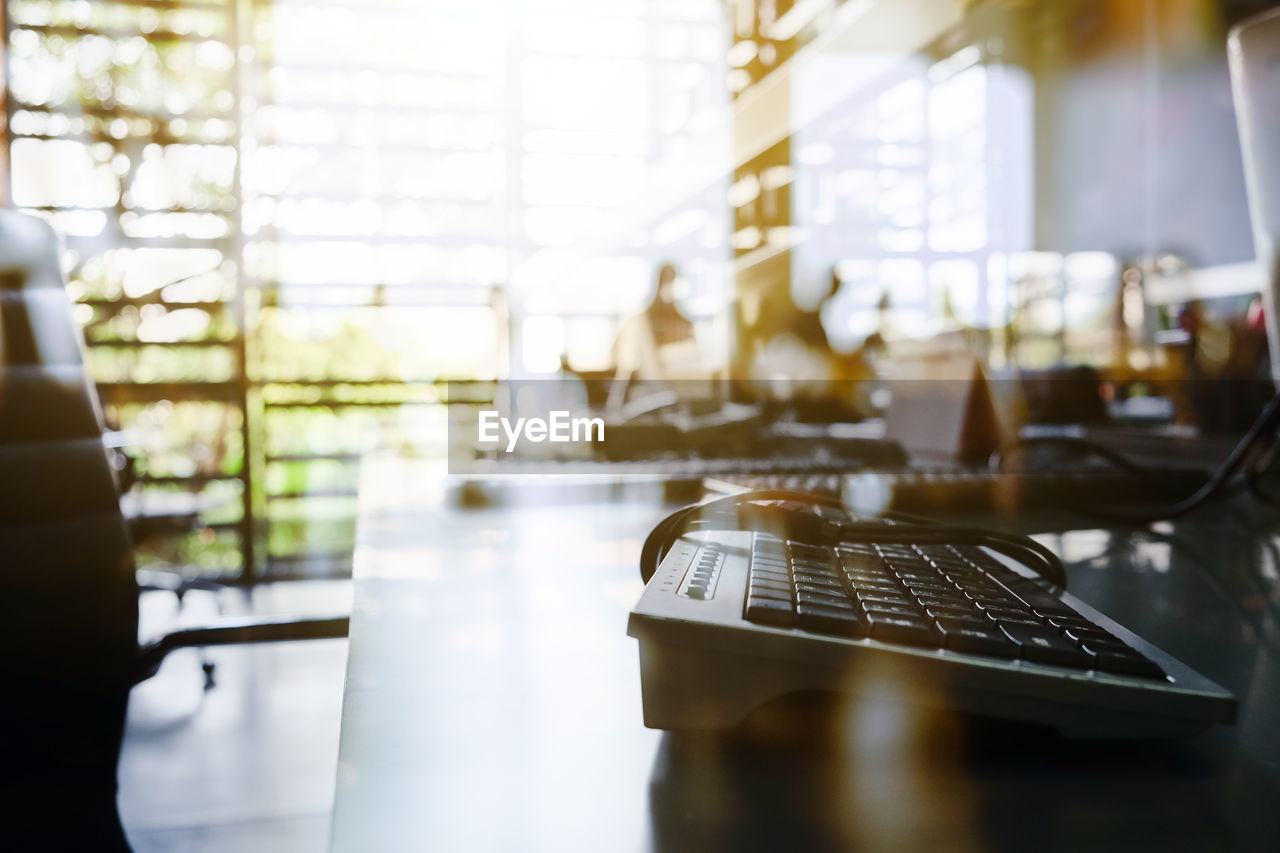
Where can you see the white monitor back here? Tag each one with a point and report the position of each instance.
(1254, 51)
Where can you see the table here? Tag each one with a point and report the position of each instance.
(492, 700)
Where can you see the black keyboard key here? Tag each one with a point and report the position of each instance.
(857, 548)
(1083, 635)
(862, 562)
(909, 566)
(817, 580)
(824, 589)
(963, 581)
(771, 577)
(779, 586)
(770, 611)
(928, 601)
(932, 576)
(912, 630)
(811, 569)
(1043, 644)
(1119, 659)
(957, 615)
(930, 589)
(830, 620)
(892, 610)
(825, 598)
(1078, 623)
(1046, 603)
(1000, 614)
(775, 594)
(868, 574)
(933, 596)
(883, 598)
(917, 569)
(968, 635)
(948, 611)
(977, 588)
(913, 568)
(874, 586)
(1016, 620)
(997, 599)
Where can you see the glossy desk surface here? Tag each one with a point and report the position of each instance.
(492, 701)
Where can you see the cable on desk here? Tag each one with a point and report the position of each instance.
(1088, 447)
(727, 510)
(1262, 433)
(1262, 430)
(1265, 464)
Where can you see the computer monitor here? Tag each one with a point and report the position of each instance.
(973, 150)
(1254, 49)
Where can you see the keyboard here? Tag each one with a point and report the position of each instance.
(734, 619)
(946, 489)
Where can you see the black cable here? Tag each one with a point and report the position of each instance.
(1024, 549)
(1027, 551)
(1090, 448)
(1261, 433)
(1263, 429)
(1253, 478)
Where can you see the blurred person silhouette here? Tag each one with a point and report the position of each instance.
(657, 345)
(1253, 359)
(1191, 321)
(799, 352)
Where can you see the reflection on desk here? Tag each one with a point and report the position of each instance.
(493, 702)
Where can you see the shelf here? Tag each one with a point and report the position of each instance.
(116, 241)
(286, 567)
(388, 198)
(114, 112)
(316, 493)
(279, 236)
(142, 211)
(315, 457)
(138, 301)
(151, 392)
(204, 344)
(157, 35)
(352, 404)
(206, 5)
(181, 479)
(155, 137)
(359, 383)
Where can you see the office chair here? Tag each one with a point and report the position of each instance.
(69, 650)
